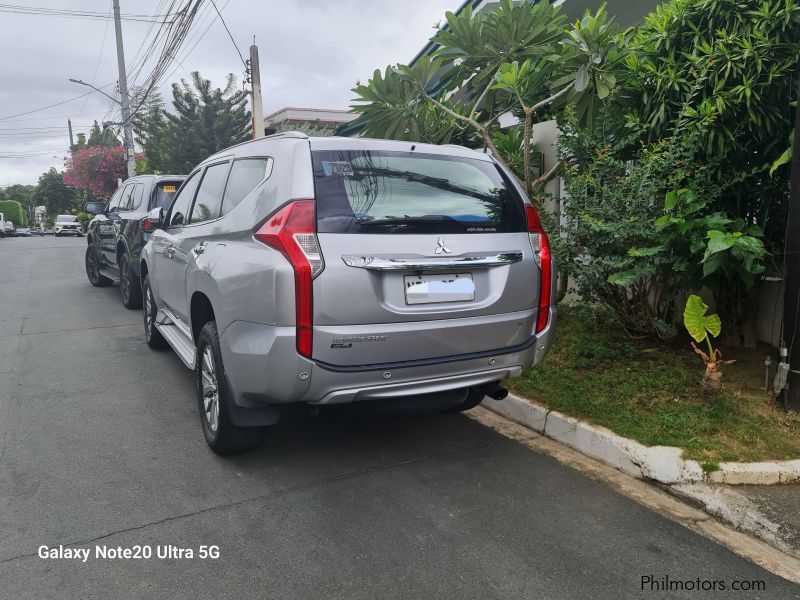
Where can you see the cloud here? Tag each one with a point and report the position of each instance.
(311, 54)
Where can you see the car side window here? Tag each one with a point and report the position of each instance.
(127, 195)
(246, 174)
(179, 213)
(209, 195)
(135, 196)
(113, 205)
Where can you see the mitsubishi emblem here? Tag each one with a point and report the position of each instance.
(441, 248)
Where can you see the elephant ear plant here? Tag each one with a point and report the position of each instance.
(701, 327)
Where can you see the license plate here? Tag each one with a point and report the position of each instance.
(168, 188)
(427, 289)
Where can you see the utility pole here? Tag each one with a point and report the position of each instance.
(791, 288)
(258, 107)
(123, 91)
(71, 142)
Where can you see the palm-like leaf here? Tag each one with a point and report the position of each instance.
(475, 45)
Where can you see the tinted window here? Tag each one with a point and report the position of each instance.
(408, 192)
(131, 197)
(179, 214)
(113, 205)
(245, 175)
(164, 193)
(135, 198)
(209, 196)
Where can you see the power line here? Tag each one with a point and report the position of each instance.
(174, 39)
(99, 58)
(196, 42)
(49, 127)
(51, 105)
(76, 14)
(141, 58)
(244, 62)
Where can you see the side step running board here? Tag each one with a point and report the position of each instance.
(182, 345)
(112, 274)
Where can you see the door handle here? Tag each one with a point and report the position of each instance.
(169, 251)
(199, 249)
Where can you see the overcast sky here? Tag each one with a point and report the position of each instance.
(311, 52)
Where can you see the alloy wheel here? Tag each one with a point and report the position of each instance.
(149, 316)
(91, 266)
(210, 389)
(124, 281)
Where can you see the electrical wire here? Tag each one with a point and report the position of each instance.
(178, 32)
(52, 105)
(76, 14)
(99, 58)
(147, 50)
(230, 35)
(197, 40)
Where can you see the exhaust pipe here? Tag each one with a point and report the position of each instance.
(494, 390)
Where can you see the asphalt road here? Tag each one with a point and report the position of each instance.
(100, 445)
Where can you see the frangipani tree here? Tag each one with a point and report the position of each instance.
(516, 58)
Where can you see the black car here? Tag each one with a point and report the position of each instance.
(118, 232)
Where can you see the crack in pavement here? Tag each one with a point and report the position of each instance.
(268, 496)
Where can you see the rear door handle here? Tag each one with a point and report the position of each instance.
(169, 251)
(200, 248)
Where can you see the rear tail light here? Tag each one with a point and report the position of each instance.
(543, 258)
(147, 225)
(291, 231)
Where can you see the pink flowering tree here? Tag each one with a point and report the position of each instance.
(96, 170)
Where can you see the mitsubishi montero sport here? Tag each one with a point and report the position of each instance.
(338, 270)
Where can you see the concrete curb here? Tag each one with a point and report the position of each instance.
(737, 510)
(658, 463)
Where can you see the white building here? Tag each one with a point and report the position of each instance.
(319, 118)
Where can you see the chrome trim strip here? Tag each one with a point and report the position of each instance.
(422, 362)
(377, 263)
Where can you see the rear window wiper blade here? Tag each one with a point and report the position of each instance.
(395, 221)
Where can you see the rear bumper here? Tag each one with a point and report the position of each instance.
(263, 368)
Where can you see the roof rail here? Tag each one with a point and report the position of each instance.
(287, 134)
(299, 135)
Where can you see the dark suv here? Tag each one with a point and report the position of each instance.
(119, 230)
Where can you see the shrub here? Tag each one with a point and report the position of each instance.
(13, 212)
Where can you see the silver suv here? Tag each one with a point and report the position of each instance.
(344, 270)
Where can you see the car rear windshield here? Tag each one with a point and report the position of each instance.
(67, 218)
(164, 193)
(409, 192)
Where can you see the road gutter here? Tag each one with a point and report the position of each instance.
(646, 494)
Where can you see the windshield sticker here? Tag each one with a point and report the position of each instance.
(339, 167)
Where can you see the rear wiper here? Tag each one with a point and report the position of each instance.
(409, 221)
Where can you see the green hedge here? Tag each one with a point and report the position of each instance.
(13, 212)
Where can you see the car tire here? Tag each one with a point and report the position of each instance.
(474, 397)
(152, 335)
(93, 269)
(222, 436)
(129, 288)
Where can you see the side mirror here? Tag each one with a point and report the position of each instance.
(94, 208)
(154, 220)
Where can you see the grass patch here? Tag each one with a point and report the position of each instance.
(650, 392)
